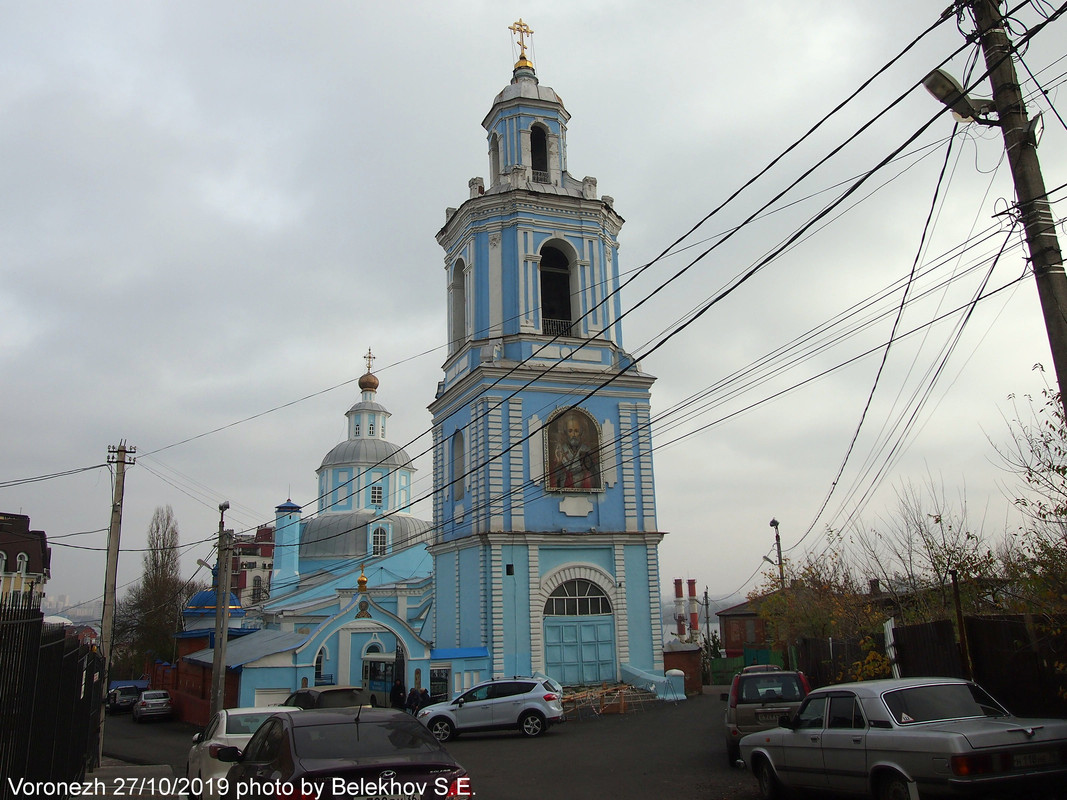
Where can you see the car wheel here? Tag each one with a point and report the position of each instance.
(532, 724)
(769, 786)
(733, 754)
(893, 787)
(442, 729)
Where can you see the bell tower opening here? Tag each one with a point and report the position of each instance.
(458, 291)
(494, 160)
(539, 154)
(556, 317)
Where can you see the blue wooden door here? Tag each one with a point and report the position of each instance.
(580, 650)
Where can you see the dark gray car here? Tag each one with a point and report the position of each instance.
(759, 696)
(122, 698)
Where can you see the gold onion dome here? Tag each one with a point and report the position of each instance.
(368, 383)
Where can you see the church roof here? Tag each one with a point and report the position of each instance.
(252, 647)
(527, 88)
(203, 604)
(367, 453)
(344, 534)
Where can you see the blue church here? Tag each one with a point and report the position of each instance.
(542, 556)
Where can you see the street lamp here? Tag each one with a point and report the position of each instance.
(965, 108)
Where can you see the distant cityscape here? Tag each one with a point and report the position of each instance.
(60, 605)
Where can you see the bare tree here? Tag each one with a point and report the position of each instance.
(150, 613)
(914, 552)
(1037, 456)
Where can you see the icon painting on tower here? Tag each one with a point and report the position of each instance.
(572, 451)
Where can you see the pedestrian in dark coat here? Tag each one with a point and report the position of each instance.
(396, 695)
(413, 701)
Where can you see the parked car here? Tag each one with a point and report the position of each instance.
(230, 727)
(528, 704)
(759, 695)
(152, 703)
(906, 738)
(122, 698)
(327, 697)
(374, 752)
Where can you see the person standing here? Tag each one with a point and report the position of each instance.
(396, 695)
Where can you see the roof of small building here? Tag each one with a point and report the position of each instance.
(254, 646)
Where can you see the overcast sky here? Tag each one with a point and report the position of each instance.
(211, 210)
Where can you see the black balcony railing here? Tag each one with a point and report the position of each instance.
(557, 327)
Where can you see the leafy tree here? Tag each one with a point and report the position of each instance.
(149, 614)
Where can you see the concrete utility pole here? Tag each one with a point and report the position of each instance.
(1021, 145)
(222, 614)
(778, 546)
(117, 456)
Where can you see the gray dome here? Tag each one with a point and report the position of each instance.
(524, 85)
(367, 405)
(367, 453)
(344, 534)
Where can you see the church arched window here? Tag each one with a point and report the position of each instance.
(257, 588)
(459, 467)
(555, 292)
(494, 159)
(577, 598)
(380, 541)
(539, 154)
(22, 563)
(458, 334)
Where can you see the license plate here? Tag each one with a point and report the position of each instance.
(1038, 759)
(768, 716)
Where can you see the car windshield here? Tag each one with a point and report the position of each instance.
(763, 687)
(129, 691)
(156, 696)
(245, 723)
(940, 702)
(363, 740)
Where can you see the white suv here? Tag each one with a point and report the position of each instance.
(529, 704)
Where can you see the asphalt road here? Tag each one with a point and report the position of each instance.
(666, 750)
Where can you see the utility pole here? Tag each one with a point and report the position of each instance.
(117, 456)
(707, 617)
(778, 545)
(222, 614)
(1021, 145)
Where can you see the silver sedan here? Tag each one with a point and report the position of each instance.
(908, 738)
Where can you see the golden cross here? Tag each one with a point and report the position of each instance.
(370, 359)
(522, 30)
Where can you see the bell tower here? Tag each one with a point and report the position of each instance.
(544, 489)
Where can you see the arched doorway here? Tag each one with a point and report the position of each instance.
(579, 633)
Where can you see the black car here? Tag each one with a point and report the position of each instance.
(343, 752)
(327, 697)
(122, 698)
